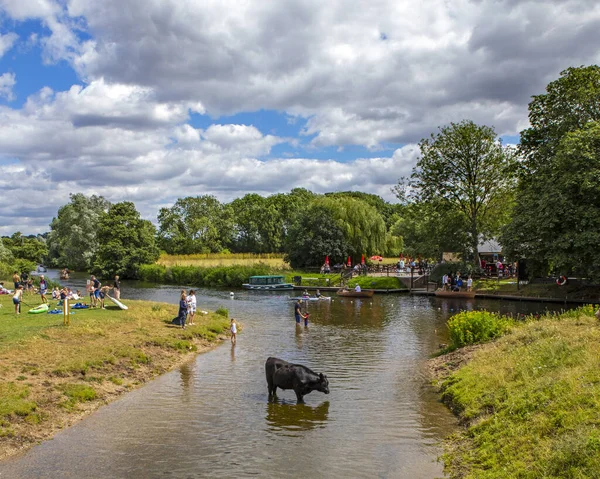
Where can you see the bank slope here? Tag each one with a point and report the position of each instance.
(51, 375)
(530, 403)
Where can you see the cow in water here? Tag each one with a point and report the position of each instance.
(284, 375)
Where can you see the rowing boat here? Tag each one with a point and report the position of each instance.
(356, 294)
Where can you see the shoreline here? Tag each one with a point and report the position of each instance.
(54, 378)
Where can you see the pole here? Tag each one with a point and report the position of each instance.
(66, 318)
(411, 277)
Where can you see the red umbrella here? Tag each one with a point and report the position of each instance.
(349, 261)
(362, 260)
(327, 259)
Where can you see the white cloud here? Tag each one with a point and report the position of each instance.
(6, 42)
(7, 83)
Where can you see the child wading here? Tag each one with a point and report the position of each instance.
(233, 330)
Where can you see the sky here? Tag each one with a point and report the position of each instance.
(152, 100)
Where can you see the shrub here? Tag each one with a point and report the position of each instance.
(222, 311)
(79, 392)
(471, 327)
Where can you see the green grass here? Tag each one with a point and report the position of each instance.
(376, 282)
(47, 368)
(531, 403)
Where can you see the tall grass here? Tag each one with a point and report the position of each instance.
(273, 260)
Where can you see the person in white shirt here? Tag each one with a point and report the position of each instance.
(469, 283)
(191, 301)
(357, 288)
(444, 281)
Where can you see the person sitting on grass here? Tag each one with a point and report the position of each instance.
(17, 297)
(55, 293)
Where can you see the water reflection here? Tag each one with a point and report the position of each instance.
(284, 415)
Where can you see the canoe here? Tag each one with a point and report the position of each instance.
(311, 298)
(42, 308)
(440, 293)
(356, 294)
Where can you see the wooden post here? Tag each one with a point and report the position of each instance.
(66, 319)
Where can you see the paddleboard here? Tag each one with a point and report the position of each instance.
(42, 308)
(117, 302)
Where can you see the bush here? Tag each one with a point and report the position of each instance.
(222, 311)
(224, 276)
(471, 327)
(377, 282)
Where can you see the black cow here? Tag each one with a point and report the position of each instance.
(284, 375)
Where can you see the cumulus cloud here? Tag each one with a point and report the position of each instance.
(7, 82)
(354, 73)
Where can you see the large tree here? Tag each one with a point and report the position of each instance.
(553, 224)
(198, 224)
(314, 235)
(465, 167)
(72, 241)
(126, 242)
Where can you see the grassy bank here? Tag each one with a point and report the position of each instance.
(528, 401)
(50, 374)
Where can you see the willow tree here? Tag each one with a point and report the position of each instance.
(363, 227)
(465, 167)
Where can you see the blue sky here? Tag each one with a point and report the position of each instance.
(151, 101)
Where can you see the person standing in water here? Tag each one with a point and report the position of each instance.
(233, 331)
(298, 313)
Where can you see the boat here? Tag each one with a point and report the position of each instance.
(368, 293)
(311, 298)
(267, 283)
(42, 308)
(440, 293)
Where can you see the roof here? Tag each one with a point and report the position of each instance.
(489, 246)
(268, 276)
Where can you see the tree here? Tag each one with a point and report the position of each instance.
(561, 228)
(466, 168)
(314, 235)
(72, 241)
(28, 248)
(198, 224)
(126, 242)
(431, 229)
(563, 129)
(6, 255)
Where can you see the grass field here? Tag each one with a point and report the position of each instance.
(273, 260)
(51, 374)
(530, 402)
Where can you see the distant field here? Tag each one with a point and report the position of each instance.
(215, 259)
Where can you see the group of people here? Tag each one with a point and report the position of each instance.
(98, 293)
(65, 293)
(455, 283)
(187, 313)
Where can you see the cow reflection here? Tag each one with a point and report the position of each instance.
(288, 416)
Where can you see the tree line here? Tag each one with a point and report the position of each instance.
(540, 199)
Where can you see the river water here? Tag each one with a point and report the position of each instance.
(212, 417)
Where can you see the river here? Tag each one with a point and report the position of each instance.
(212, 418)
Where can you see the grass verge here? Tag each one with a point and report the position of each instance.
(528, 401)
(51, 374)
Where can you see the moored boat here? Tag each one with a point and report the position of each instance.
(267, 283)
(356, 294)
(440, 293)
